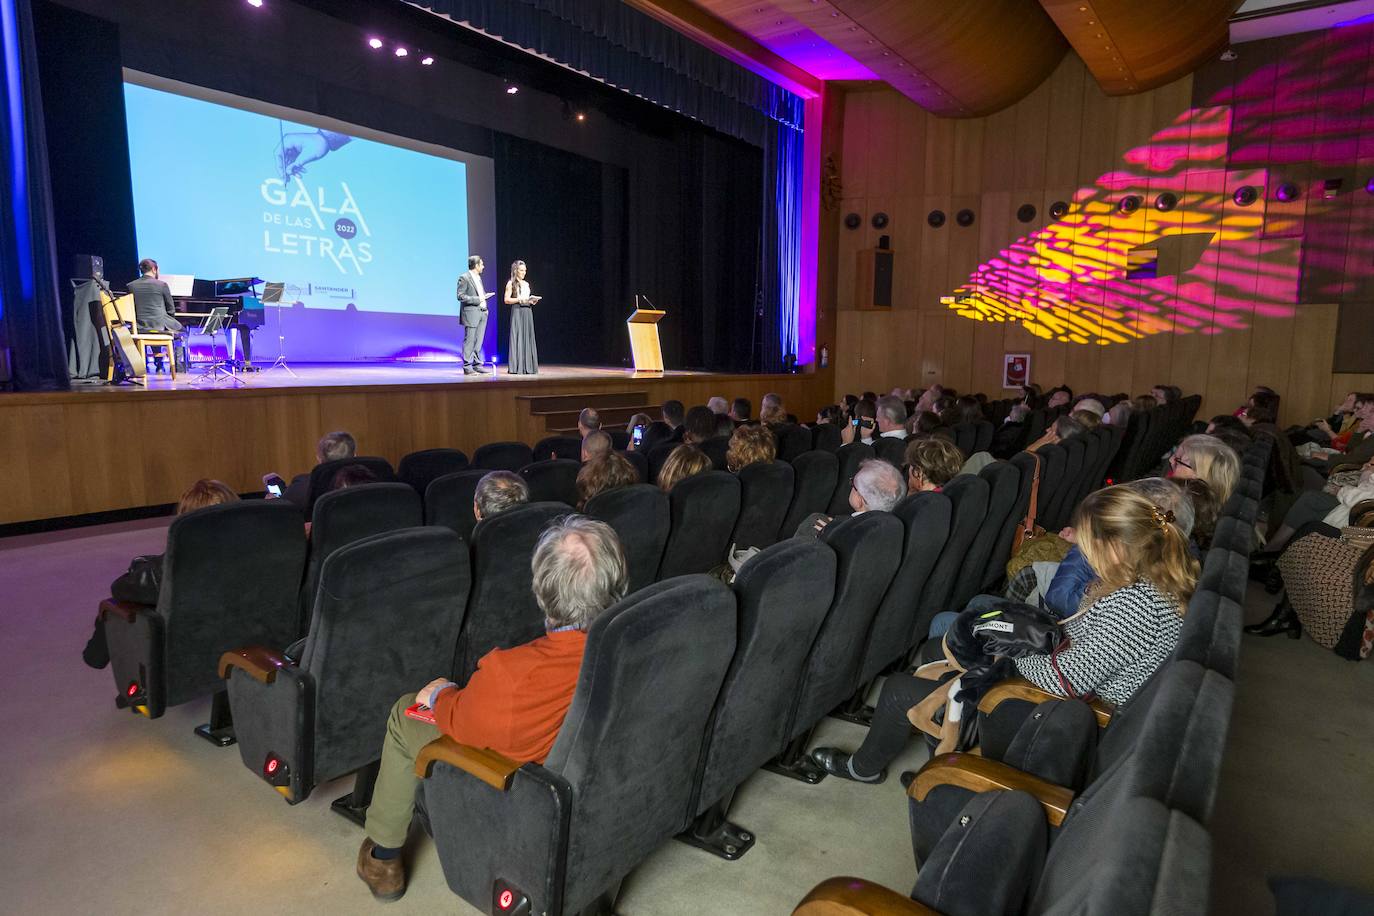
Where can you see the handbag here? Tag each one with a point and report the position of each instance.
(1027, 529)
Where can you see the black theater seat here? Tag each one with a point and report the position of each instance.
(619, 779)
(850, 457)
(386, 620)
(705, 508)
(1003, 482)
(231, 576)
(566, 448)
(503, 456)
(448, 501)
(968, 496)
(420, 469)
(765, 494)
(322, 476)
(552, 481)
(815, 475)
(641, 518)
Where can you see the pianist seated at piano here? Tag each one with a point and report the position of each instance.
(154, 310)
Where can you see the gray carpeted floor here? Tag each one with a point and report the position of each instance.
(107, 812)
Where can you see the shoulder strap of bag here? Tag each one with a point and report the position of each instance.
(1032, 508)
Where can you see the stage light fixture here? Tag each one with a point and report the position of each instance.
(1369, 185)
(935, 218)
(1287, 192)
(1245, 195)
(1059, 209)
(427, 61)
(402, 52)
(1129, 204)
(375, 43)
(1166, 201)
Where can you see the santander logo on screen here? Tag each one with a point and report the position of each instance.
(322, 224)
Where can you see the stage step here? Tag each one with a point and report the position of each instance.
(540, 404)
(563, 420)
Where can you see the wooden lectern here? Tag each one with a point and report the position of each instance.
(643, 325)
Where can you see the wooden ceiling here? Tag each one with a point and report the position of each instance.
(965, 58)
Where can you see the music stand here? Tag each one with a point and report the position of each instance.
(272, 295)
(218, 370)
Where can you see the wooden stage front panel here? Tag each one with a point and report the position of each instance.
(102, 449)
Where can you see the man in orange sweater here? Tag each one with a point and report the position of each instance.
(515, 701)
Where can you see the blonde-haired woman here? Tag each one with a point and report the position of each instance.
(1209, 458)
(524, 355)
(750, 445)
(685, 461)
(1125, 629)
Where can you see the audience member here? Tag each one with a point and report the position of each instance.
(862, 425)
(750, 445)
(891, 418)
(607, 471)
(1030, 396)
(351, 475)
(1209, 458)
(740, 410)
(1342, 424)
(1090, 403)
(1006, 441)
(771, 410)
(725, 427)
(674, 414)
(644, 422)
(333, 446)
(498, 492)
(699, 426)
(589, 420)
(1330, 505)
(514, 703)
(931, 462)
(1119, 414)
(1127, 630)
(1059, 397)
(685, 461)
(923, 423)
(1165, 394)
(1146, 402)
(142, 581)
(596, 444)
(1061, 430)
(832, 414)
(1206, 510)
(718, 405)
(1089, 419)
(877, 487)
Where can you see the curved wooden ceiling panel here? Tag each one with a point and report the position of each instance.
(1130, 46)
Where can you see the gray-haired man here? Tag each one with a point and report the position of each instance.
(514, 703)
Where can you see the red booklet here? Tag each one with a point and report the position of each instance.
(420, 713)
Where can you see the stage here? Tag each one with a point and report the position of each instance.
(100, 448)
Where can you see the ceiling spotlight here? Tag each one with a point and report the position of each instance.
(402, 52)
(428, 61)
(581, 116)
(256, 4)
(512, 90)
(374, 43)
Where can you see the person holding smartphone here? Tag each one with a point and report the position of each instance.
(524, 355)
(862, 424)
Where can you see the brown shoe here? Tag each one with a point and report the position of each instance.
(386, 878)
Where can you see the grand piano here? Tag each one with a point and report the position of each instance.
(236, 295)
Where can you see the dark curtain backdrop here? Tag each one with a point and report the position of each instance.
(30, 314)
(635, 200)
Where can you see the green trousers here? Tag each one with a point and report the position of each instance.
(393, 796)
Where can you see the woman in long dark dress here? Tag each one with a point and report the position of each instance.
(524, 356)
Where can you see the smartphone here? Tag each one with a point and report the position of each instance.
(637, 436)
(274, 489)
(854, 422)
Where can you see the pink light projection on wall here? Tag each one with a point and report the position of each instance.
(1108, 273)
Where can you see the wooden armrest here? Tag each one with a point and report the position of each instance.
(1018, 688)
(258, 662)
(127, 611)
(496, 770)
(979, 774)
(857, 897)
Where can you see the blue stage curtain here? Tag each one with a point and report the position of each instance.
(30, 316)
(786, 223)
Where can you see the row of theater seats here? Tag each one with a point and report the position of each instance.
(1077, 808)
(271, 576)
(374, 576)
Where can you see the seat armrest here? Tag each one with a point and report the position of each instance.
(857, 897)
(496, 770)
(127, 611)
(1018, 688)
(979, 774)
(258, 662)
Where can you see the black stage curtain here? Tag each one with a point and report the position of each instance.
(31, 319)
(636, 53)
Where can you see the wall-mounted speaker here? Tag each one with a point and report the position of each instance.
(1129, 204)
(884, 241)
(936, 218)
(964, 217)
(1245, 195)
(1059, 209)
(879, 220)
(1166, 201)
(874, 277)
(1025, 213)
(853, 221)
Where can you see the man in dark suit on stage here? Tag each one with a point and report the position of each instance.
(473, 315)
(154, 310)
